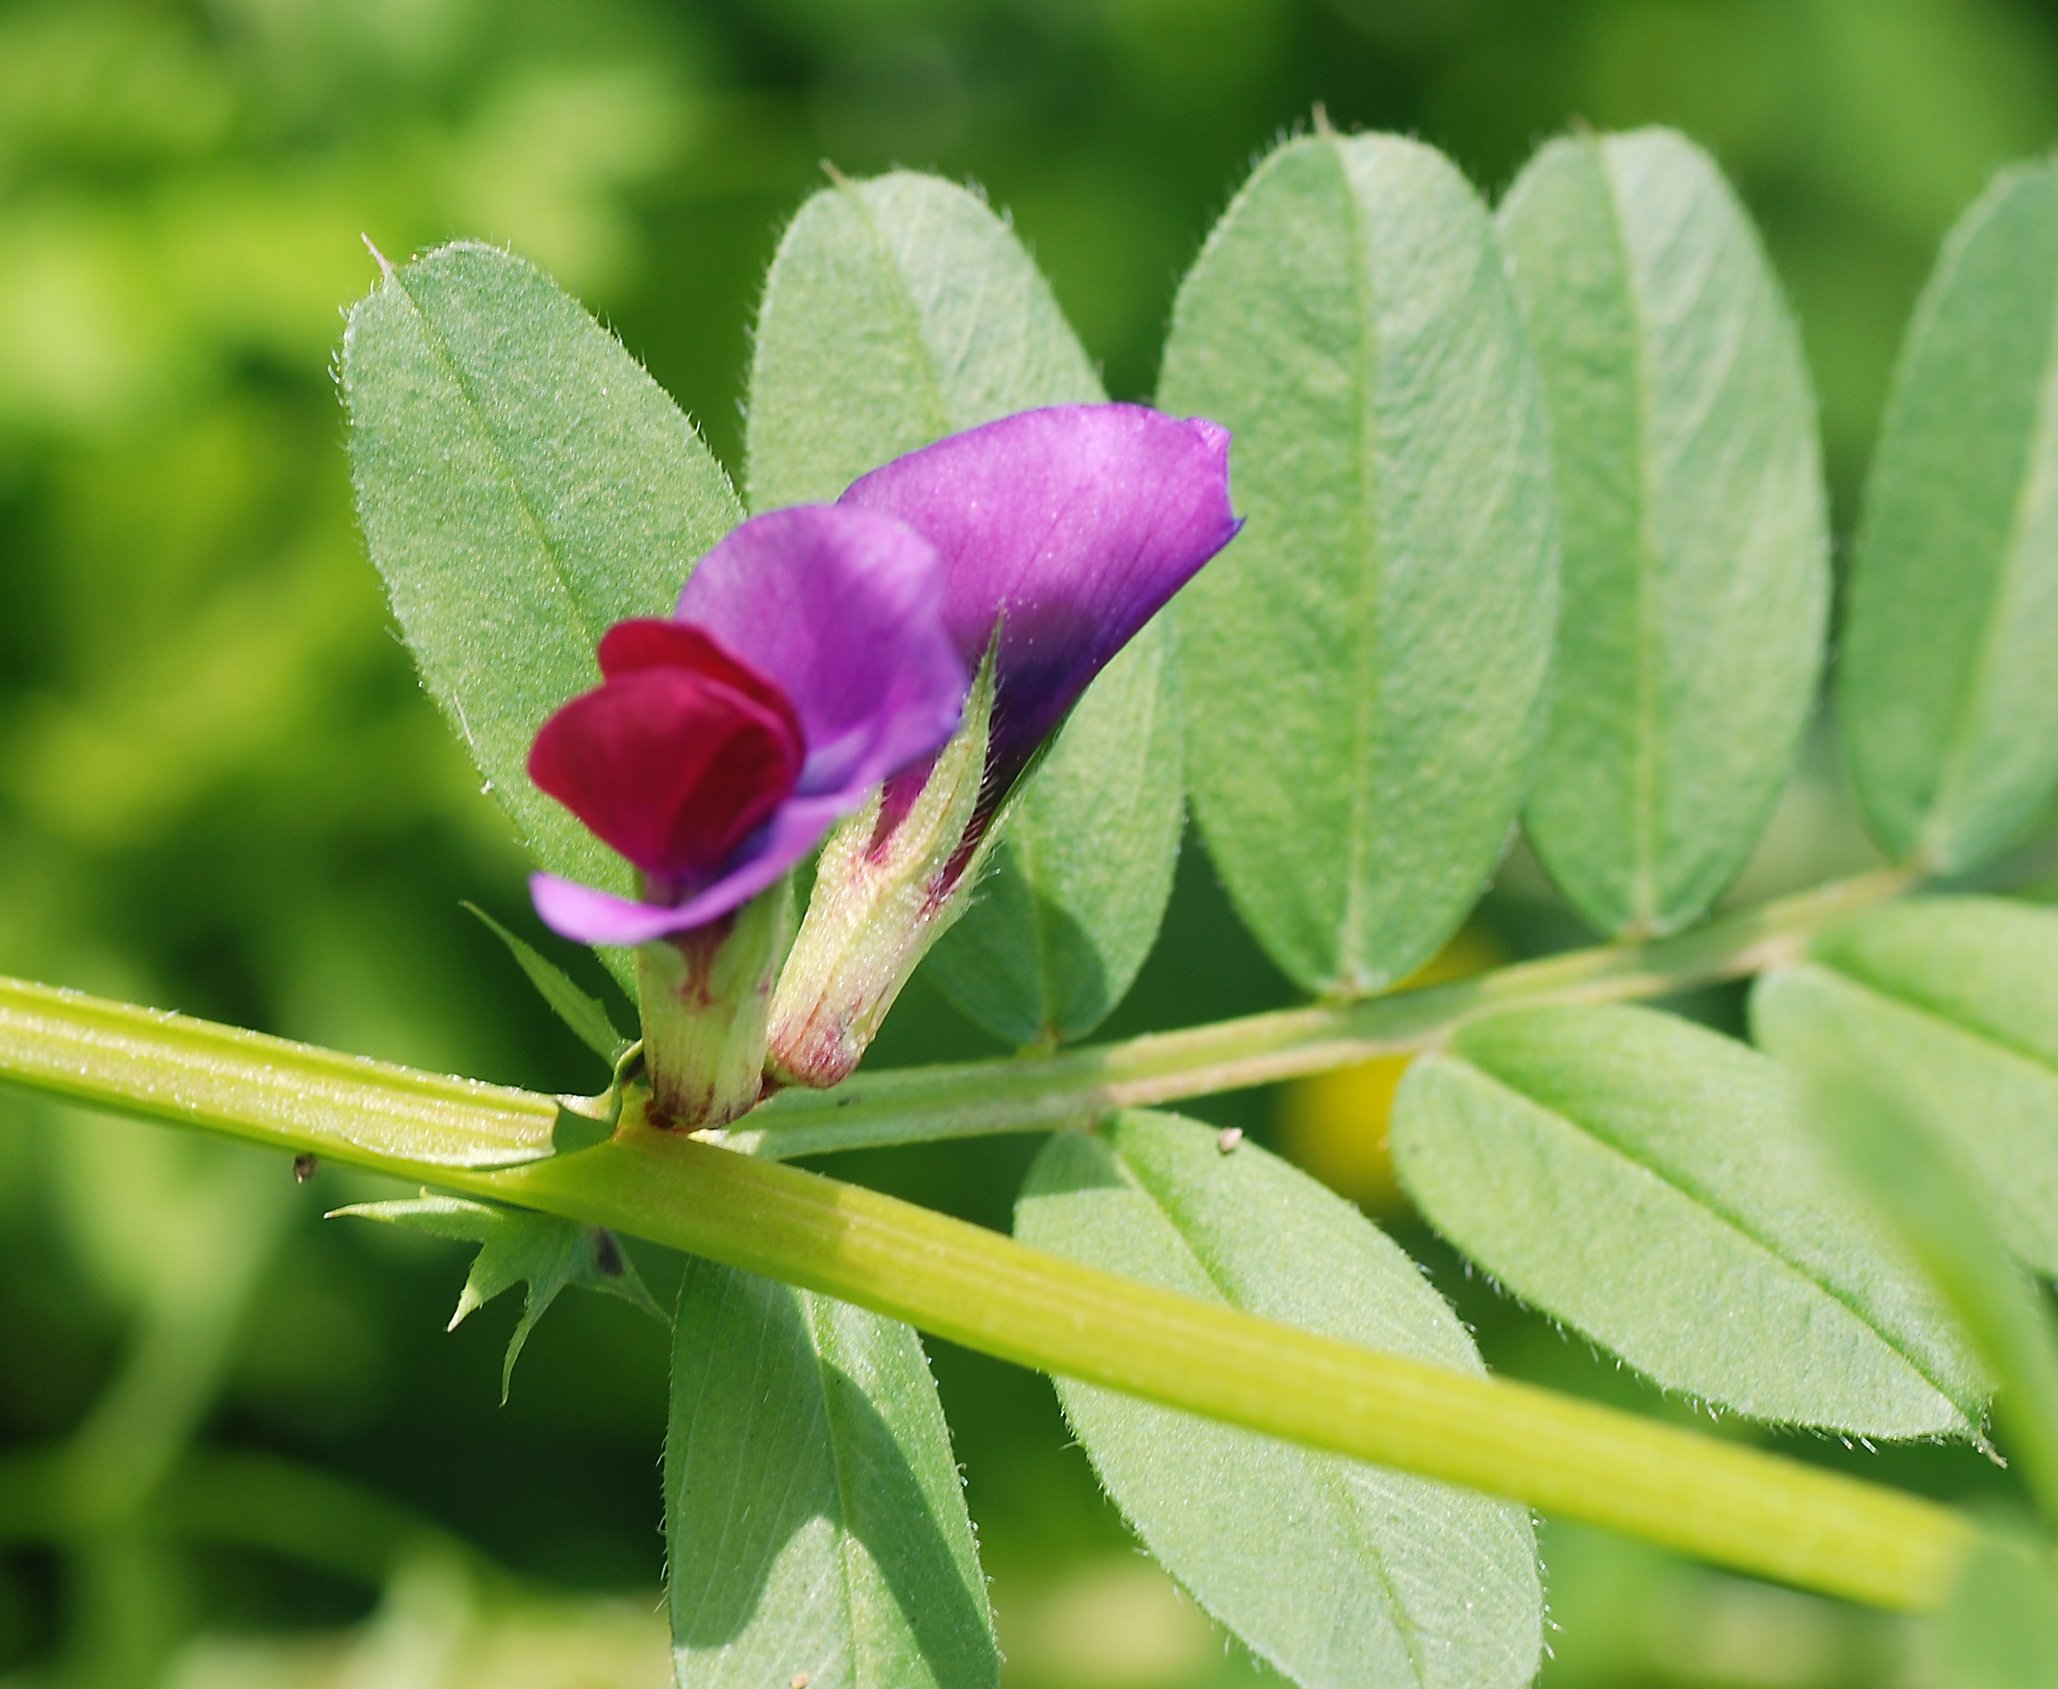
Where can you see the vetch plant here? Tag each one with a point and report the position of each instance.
(1459, 521)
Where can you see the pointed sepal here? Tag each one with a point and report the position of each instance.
(541, 1252)
(891, 881)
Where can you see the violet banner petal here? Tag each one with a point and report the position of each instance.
(1070, 527)
(842, 609)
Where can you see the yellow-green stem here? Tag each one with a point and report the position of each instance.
(1742, 1508)
(1035, 1093)
(1715, 1500)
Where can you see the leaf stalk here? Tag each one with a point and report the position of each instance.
(1045, 1091)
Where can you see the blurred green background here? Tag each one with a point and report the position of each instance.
(235, 1446)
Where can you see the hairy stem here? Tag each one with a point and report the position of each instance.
(1704, 1497)
(1715, 1500)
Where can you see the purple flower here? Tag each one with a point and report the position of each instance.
(1069, 528)
(821, 652)
(806, 663)
(1061, 532)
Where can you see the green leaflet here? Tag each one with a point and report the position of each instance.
(1362, 670)
(813, 1517)
(522, 484)
(1696, 573)
(1953, 1004)
(1336, 1572)
(900, 310)
(1652, 1184)
(540, 1251)
(1949, 716)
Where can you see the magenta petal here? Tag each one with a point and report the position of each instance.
(1070, 527)
(669, 766)
(650, 642)
(837, 613)
(842, 609)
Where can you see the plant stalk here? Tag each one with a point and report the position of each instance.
(1041, 1092)
(1714, 1500)
(1732, 1505)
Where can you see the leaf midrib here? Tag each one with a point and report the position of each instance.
(1020, 834)
(939, 419)
(728, 1285)
(845, 1529)
(439, 347)
(1992, 1041)
(1019, 847)
(1644, 759)
(1352, 970)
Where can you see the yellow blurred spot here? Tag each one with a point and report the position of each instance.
(1335, 1124)
(1114, 1624)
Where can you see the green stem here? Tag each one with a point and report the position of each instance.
(1733, 1505)
(1715, 1500)
(165, 1066)
(1037, 1093)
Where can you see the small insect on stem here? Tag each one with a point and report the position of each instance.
(305, 1166)
(1228, 1138)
